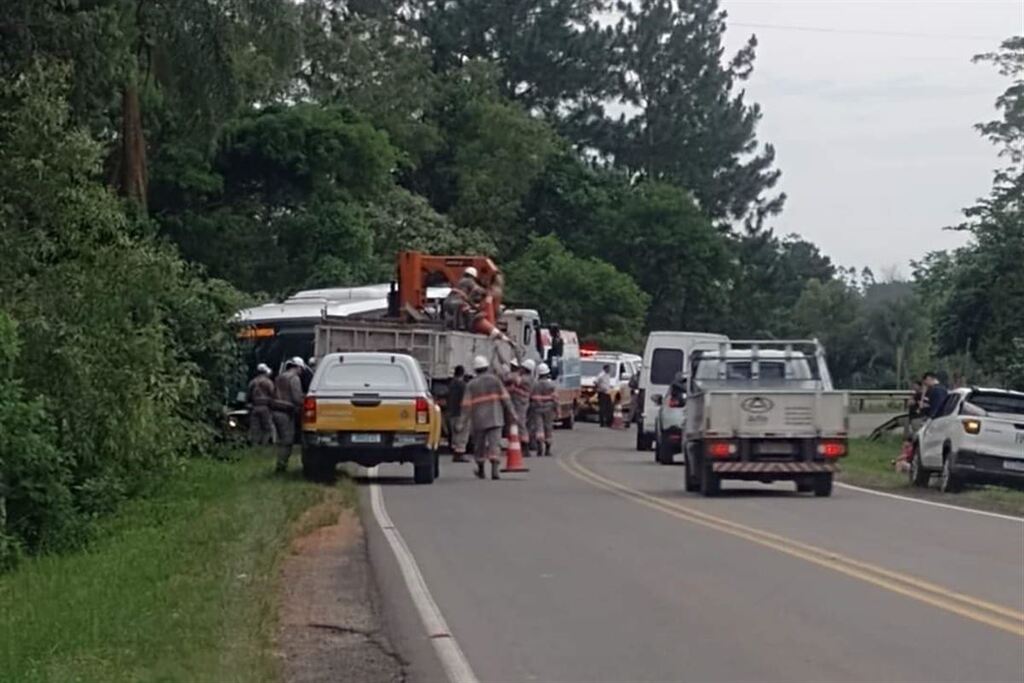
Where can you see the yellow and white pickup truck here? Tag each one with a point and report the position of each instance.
(370, 408)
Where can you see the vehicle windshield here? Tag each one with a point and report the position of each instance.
(997, 402)
(360, 376)
(592, 368)
(792, 373)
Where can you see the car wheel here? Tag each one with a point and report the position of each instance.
(664, 452)
(423, 472)
(917, 474)
(316, 467)
(710, 483)
(641, 440)
(437, 465)
(823, 486)
(949, 482)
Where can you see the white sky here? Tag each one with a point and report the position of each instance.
(873, 133)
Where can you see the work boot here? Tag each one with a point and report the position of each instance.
(527, 449)
(479, 471)
(547, 449)
(494, 471)
(459, 457)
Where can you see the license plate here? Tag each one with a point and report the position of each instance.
(365, 438)
(1016, 465)
(774, 448)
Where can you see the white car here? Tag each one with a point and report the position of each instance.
(978, 436)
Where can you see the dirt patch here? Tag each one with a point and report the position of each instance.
(330, 627)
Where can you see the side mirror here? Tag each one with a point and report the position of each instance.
(657, 399)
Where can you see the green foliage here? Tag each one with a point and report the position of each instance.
(583, 294)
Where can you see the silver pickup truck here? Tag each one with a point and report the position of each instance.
(763, 410)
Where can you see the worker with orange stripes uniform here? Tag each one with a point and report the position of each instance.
(488, 408)
(543, 400)
(520, 392)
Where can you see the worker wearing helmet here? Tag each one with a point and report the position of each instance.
(261, 392)
(286, 409)
(542, 403)
(488, 408)
(520, 392)
(463, 302)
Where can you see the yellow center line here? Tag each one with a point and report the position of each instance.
(991, 614)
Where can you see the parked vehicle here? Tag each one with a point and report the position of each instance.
(565, 372)
(665, 356)
(978, 436)
(763, 410)
(370, 408)
(670, 423)
(624, 367)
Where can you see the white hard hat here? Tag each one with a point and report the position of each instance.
(480, 363)
(297, 360)
(543, 369)
(263, 369)
(514, 363)
(528, 364)
(312, 361)
(471, 271)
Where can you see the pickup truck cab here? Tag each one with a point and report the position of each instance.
(370, 408)
(764, 410)
(978, 436)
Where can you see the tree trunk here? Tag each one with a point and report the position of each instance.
(134, 177)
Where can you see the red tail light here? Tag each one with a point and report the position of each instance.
(309, 411)
(422, 411)
(721, 449)
(674, 403)
(832, 449)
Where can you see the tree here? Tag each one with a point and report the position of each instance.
(587, 295)
(691, 127)
(830, 312)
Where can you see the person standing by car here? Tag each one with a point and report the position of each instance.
(488, 408)
(287, 409)
(454, 417)
(261, 393)
(542, 401)
(935, 395)
(603, 387)
(520, 392)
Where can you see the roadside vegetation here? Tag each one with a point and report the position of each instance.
(869, 464)
(178, 585)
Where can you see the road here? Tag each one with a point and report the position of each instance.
(596, 566)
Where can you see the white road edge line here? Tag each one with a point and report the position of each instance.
(983, 513)
(453, 660)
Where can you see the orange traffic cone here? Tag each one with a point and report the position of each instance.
(514, 452)
(618, 422)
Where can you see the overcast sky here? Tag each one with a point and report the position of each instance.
(873, 131)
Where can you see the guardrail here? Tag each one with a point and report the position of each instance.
(879, 400)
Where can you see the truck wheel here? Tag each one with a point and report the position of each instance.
(691, 482)
(424, 469)
(643, 442)
(917, 474)
(823, 486)
(570, 421)
(316, 467)
(949, 482)
(804, 486)
(710, 483)
(663, 452)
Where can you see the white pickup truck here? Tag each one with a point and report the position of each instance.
(977, 436)
(762, 411)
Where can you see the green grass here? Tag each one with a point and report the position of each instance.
(870, 464)
(180, 586)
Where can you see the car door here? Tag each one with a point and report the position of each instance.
(938, 430)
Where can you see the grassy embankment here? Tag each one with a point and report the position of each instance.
(178, 587)
(870, 464)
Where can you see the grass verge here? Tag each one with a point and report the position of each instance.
(869, 464)
(180, 586)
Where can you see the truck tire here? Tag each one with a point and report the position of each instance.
(949, 482)
(663, 452)
(570, 421)
(710, 483)
(804, 486)
(316, 467)
(643, 442)
(823, 486)
(425, 469)
(917, 474)
(691, 482)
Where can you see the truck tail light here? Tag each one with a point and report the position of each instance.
(309, 411)
(972, 426)
(673, 402)
(832, 449)
(422, 411)
(721, 449)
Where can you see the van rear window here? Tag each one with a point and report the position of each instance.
(665, 364)
(361, 376)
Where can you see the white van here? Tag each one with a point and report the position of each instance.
(666, 354)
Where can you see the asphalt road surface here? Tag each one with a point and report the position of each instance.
(596, 566)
